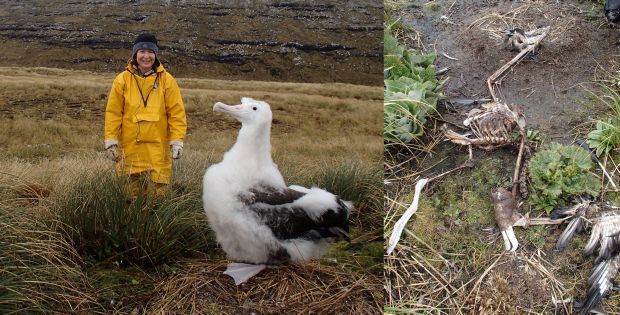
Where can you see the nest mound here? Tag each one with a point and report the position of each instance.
(309, 288)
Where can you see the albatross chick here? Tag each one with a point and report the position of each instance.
(257, 219)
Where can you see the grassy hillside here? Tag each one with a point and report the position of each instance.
(72, 227)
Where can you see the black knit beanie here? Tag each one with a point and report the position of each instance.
(144, 41)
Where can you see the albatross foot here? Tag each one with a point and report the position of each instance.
(510, 240)
(241, 272)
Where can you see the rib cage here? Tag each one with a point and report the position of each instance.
(491, 127)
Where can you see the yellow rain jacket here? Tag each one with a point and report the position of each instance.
(144, 114)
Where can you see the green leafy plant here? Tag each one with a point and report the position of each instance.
(606, 136)
(560, 173)
(533, 135)
(411, 90)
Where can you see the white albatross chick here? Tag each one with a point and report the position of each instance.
(256, 218)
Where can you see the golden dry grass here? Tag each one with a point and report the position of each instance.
(61, 111)
(308, 288)
(53, 138)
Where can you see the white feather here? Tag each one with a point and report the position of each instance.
(402, 222)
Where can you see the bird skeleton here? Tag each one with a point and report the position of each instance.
(525, 42)
(495, 125)
(492, 126)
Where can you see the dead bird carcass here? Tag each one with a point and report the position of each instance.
(604, 236)
(495, 125)
(492, 126)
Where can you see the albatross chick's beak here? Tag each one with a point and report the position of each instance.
(233, 110)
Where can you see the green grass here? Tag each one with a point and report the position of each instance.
(103, 222)
(605, 138)
(40, 269)
(359, 183)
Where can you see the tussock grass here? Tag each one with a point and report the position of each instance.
(359, 183)
(40, 269)
(106, 223)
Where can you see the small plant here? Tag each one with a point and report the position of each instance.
(533, 135)
(411, 91)
(560, 173)
(606, 136)
(433, 6)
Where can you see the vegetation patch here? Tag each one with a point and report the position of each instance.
(102, 221)
(40, 270)
(411, 91)
(605, 138)
(559, 174)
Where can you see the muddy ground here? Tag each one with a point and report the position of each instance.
(296, 41)
(455, 220)
(580, 47)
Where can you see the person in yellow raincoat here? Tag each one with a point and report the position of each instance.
(145, 123)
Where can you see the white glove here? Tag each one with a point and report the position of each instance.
(176, 147)
(112, 152)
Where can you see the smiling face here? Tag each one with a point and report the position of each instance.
(250, 111)
(145, 59)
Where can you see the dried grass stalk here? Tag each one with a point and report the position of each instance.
(308, 288)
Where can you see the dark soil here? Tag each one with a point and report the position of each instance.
(581, 46)
(296, 41)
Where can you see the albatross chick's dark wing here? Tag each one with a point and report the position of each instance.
(313, 214)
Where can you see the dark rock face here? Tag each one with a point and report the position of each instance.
(298, 41)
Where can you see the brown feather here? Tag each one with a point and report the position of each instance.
(505, 208)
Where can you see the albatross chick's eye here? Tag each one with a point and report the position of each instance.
(254, 108)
